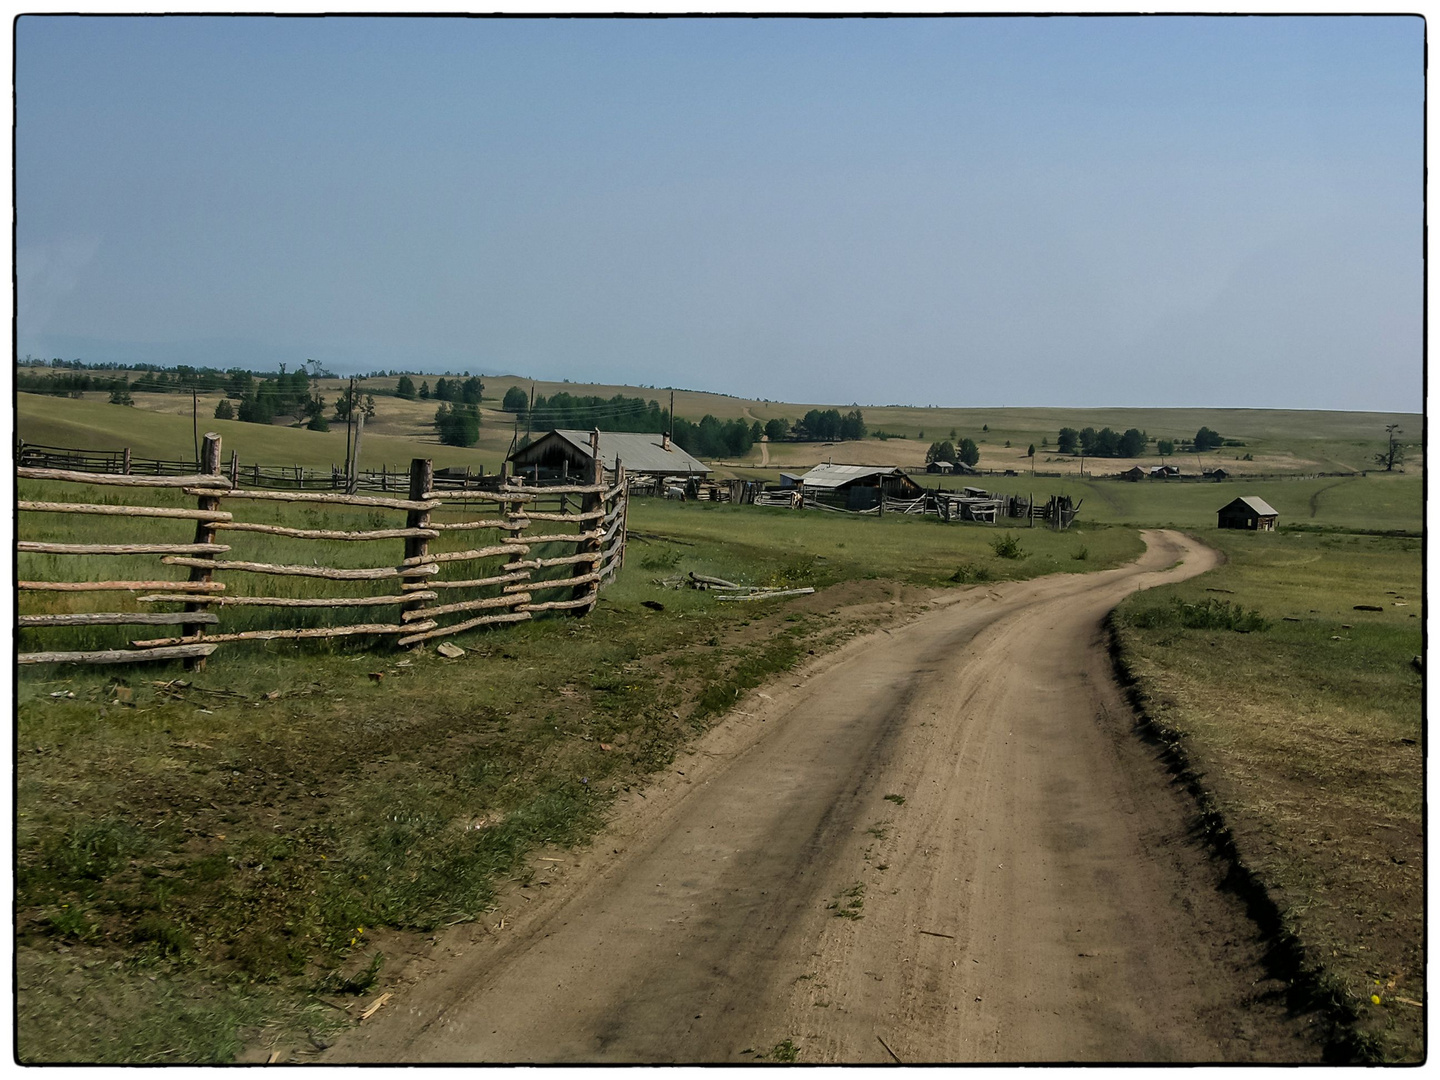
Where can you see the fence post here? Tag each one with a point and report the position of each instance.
(126, 469)
(204, 534)
(234, 468)
(589, 503)
(422, 479)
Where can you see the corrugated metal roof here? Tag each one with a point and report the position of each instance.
(1257, 504)
(834, 476)
(639, 452)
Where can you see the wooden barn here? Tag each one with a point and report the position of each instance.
(858, 487)
(940, 467)
(561, 455)
(1137, 473)
(1248, 512)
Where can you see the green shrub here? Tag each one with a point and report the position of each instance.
(1007, 547)
(1081, 555)
(1208, 614)
(969, 572)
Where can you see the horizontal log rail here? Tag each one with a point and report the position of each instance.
(466, 605)
(564, 583)
(117, 656)
(373, 573)
(201, 482)
(591, 515)
(326, 534)
(39, 547)
(475, 583)
(120, 586)
(322, 497)
(119, 510)
(469, 554)
(561, 605)
(469, 624)
(282, 635)
(292, 602)
(473, 495)
(482, 523)
(120, 618)
(563, 538)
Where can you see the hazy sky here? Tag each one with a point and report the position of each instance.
(1016, 211)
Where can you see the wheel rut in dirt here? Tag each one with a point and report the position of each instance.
(938, 844)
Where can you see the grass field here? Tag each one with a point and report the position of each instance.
(217, 858)
(1306, 732)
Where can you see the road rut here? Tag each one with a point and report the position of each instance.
(941, 843)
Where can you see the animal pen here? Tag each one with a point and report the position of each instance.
(972, 504)
(473, 555)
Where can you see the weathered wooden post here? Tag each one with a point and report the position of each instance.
(589, 502)
(204, 534)
(234, 468)
(126, 468)
(422, 479)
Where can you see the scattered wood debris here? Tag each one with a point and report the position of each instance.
(375, 1006)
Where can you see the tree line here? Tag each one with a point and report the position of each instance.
(1132, 442)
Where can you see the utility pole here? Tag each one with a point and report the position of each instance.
(530, 413)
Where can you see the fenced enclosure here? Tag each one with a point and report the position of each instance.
(95, 550)
(1058, 512)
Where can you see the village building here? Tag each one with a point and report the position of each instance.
(561, 455)
(858, 487)
(940, 467)
(1164, 472)
(1216, 474)
(1248, 512)
(1136, 473)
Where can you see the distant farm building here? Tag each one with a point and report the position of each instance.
(1216, 474)
(561, 455)
(940, 467)
(791, 480)
(1137, 473)
(1248, 512)
(1164, 472)
(858, 487)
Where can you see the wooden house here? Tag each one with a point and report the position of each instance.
(1248, 512)
(858, 487)
(1136, 473)
(562, 455)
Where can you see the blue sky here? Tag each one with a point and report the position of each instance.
(1018, 211)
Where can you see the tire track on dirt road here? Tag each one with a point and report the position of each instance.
(1028, 891)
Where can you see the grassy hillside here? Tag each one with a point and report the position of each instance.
(1276, 440)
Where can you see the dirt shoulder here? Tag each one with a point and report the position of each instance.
(939, 843)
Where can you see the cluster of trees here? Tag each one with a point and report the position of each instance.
(286, 394)
(1132, 443)
(716, 438)
(583, 412)
(829, 425)
(468, 392)
(458, 423)
(965, 451)
(1103, 443)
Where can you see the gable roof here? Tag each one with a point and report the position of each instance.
(835, 476)
(1255, 504)
(639, 452)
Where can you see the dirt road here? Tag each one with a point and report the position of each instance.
(942, 843)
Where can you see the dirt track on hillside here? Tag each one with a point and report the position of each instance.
(969, 785)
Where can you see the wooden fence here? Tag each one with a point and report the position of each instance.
(504, 555)
(383, 478)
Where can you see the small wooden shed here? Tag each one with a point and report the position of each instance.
(1248, 512)
(1136, 473)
